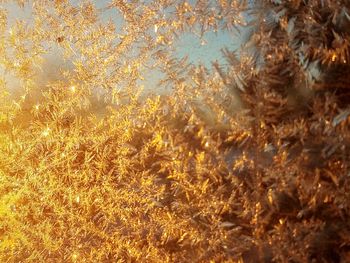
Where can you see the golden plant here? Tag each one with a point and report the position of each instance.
(244, 162)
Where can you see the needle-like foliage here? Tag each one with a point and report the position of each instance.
(245, 162)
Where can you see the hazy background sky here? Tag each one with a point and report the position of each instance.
(199, 51)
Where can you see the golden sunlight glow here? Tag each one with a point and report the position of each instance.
(115, 146)
(46, 132)
(75, 257)
(334, 57)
